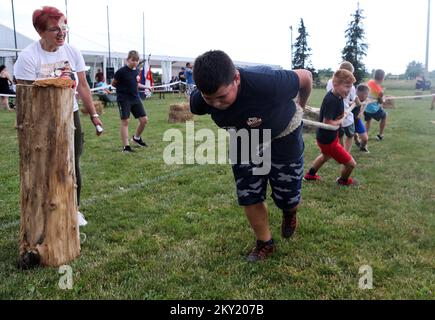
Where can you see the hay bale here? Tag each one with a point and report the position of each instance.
(99, 107)
(180, 113)
(389, 103)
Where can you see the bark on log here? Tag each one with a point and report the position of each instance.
(49, 235)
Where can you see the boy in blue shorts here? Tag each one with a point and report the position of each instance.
(374, 109)
(257, 98)
(361, 137)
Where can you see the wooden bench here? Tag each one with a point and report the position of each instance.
(162, 93)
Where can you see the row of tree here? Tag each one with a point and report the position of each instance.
(354, 51)
(415, 69)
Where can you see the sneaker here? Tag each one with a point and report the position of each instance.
(288, 225)
(379, 137)
(348, 183)
(364, 149)
(127, 149)
(262, 251)
(139, 142)
(309, 177)
(357, 143)
(81, 221)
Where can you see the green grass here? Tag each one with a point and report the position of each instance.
(176, 232)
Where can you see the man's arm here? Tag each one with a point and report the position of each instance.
(305, 86)
(86, 96)
(336, 122)
(381, 97)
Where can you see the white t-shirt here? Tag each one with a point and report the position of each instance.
(36, 63)
(349, 120)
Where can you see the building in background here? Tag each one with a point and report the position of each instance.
(168, 66)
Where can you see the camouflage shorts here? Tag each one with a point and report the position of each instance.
(285, 180)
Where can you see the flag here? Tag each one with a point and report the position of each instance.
(142, 75)
(142, 78)
(148, 79)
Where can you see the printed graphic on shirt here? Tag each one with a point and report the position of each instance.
(254, 122)
(61, 69)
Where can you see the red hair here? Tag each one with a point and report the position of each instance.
(41, 17)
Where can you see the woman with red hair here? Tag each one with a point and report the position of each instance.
(48, 58)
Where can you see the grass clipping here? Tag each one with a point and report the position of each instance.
(180, 113)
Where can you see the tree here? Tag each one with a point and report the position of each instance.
(356, 48)
(326, 73)
(414, 69)
(302, 51)
(157, 77)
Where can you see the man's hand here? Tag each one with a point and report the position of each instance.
(96, 121)
(381, 98)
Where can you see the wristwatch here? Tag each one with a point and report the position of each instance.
(96, 115)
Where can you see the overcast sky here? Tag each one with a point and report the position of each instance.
(252, 31)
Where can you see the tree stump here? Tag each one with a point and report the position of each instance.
(49, 234)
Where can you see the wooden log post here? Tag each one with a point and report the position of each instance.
(49, 234)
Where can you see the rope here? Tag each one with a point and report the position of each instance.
(409, 97)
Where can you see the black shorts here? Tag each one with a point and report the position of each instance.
(378, 116)
(284, 178)
(135, 107)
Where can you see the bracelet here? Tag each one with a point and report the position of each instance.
(95, 116)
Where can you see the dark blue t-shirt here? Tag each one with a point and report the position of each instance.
(332, 108)
(127, 79)
(264, 101)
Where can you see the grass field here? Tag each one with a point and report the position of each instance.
(176, 232)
